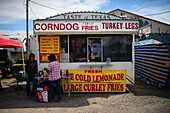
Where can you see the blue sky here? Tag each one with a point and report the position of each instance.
(12, 12)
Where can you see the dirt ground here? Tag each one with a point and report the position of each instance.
(142, 98)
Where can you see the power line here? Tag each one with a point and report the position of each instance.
(46, 6)
(32, 12)
(158, 13)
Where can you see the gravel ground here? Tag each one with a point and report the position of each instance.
(142, 98)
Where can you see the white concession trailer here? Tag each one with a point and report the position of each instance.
(87, 40)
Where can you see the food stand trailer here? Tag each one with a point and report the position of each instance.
(88, 41)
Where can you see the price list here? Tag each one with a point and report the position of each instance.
(49, 45)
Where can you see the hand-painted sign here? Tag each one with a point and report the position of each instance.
(85, 26)
(85, 16)
(49, 45)
(96, 81)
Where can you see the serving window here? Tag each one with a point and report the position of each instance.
(78, 49)
(93, 48)
(94, 51)
(117, 48)
(64, 49)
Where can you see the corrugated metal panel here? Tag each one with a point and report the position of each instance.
(150, 64)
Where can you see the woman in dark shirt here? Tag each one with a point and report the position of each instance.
(31, 70)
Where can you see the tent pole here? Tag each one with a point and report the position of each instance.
(23, 60)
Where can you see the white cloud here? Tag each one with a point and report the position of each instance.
(67, 6)
(8, 32)
(12, 10)
(154, 8)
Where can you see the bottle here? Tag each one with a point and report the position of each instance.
(40, 73)
(67, 72)
(62, 73)
(45, 73)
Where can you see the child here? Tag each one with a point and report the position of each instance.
(53, 71)
(31, 70)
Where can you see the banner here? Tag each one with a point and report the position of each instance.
(85, 26)
(96, 81)
(49, 45)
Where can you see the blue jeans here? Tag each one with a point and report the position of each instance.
(31, 78)
(57, 82)
(0, 85)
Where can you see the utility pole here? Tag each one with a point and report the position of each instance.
(28, 49)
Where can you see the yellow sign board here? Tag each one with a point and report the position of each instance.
(49, 45)
(96, 81)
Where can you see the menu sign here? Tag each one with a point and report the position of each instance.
(49, 45)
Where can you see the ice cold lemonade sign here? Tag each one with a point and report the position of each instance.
(96, 81)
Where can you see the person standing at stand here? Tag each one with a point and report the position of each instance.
(0, 85)
(54, 76)
(31, 70)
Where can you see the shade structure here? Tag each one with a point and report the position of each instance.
(5, 42)
(138, 44)
(147, 42)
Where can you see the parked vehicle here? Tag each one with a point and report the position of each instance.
(5, 63)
